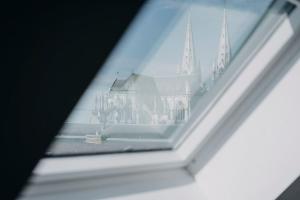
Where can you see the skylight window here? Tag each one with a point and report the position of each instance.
(171, 56)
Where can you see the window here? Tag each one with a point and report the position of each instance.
(147, 92)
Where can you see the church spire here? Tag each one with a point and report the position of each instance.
(188, 60)
(224, 46)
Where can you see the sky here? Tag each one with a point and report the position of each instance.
(153, 43)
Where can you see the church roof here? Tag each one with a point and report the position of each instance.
(118, 85)
(136, 83)
(158, 86)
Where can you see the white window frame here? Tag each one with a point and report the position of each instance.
(260, 51)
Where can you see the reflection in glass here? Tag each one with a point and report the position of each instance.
(171, 56)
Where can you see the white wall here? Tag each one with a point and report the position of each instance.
(263, 156)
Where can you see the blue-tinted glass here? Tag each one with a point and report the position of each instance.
(170, 57)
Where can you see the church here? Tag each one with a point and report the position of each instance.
(146, 100)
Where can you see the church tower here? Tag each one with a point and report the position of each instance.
(187, 66)
(223, 57)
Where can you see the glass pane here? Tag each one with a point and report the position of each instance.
(171, 56)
